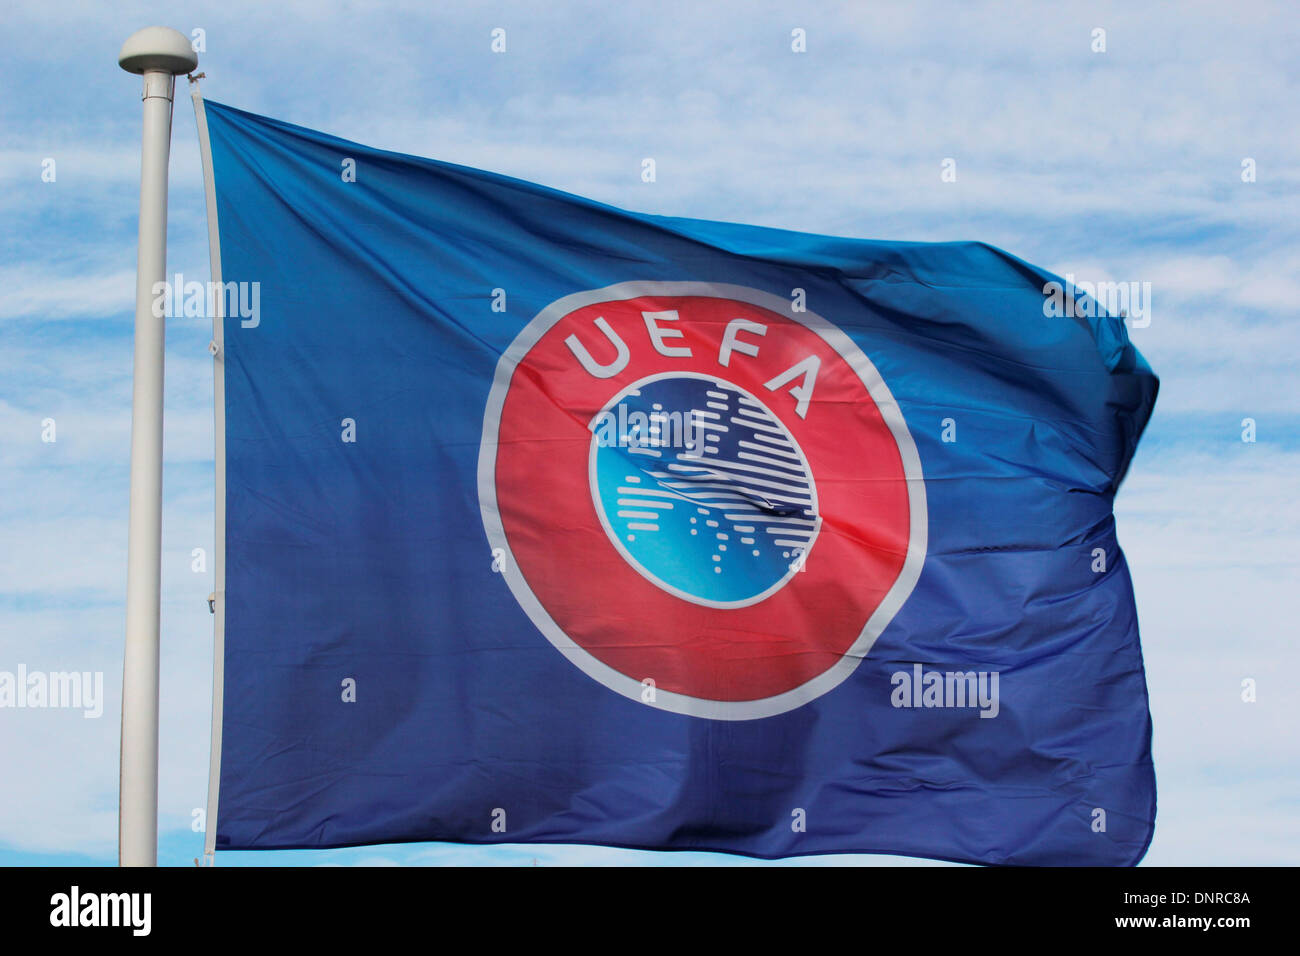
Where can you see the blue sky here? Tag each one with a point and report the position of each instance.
(1123, 165)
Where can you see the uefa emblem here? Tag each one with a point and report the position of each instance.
(699, 491)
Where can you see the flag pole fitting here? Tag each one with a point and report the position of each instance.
(158, 49)
(159, 55)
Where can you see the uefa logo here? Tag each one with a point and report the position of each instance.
(695, 487)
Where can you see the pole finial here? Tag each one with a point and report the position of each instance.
(157, 49)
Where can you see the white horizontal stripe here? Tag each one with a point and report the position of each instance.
(754, 415)
(768, 449)
(717, 500)
(643, 527)
(746, 484)
(767, 460)
(796, 482)
(730, 471)
(767, 496)
(757, 426)
(778, 529)
(760, 517)
(778, 441)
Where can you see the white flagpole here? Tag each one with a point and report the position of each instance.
(160, 55)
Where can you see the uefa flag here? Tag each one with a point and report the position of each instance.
(540, 521)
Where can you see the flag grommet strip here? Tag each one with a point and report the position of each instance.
(216, 348)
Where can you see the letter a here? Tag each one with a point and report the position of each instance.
(808, 368)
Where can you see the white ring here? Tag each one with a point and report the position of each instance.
(583, 659)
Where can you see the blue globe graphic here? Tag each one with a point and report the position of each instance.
(702, 489)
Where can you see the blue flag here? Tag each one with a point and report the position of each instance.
(540, 521)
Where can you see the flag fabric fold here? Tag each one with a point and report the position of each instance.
(544, 521)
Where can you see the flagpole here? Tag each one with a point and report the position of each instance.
(158, 54)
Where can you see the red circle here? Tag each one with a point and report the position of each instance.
(604, 604)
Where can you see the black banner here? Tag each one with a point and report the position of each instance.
(644, 906)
